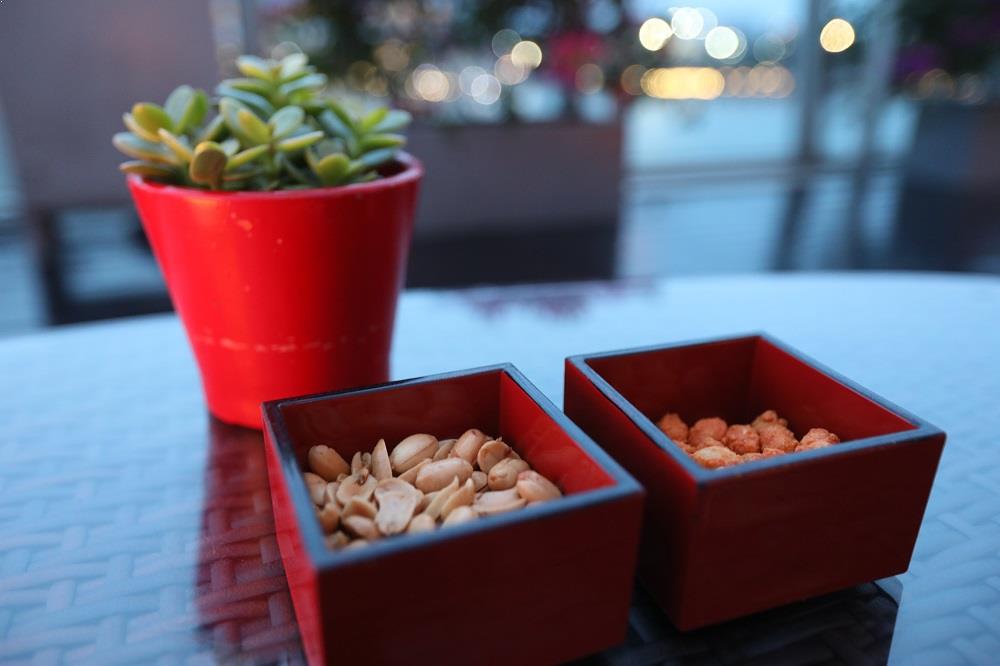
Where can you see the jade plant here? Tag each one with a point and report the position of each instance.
(272, 129)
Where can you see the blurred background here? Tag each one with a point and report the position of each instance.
(569, 140)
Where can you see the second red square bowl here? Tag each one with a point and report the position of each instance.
(719, 544)
(541, 585)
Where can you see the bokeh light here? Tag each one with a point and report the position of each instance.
(430, 83)
(631, 79)
(508, 72)
(703, 83)
(722, 43)
(486, 89)
(654, 33)
(836, 36)
(769, 48)
(589, 78)
(503, 41)
(467, 76)
(687, 23)
(526, 54)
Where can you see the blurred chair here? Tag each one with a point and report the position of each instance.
(68, 70)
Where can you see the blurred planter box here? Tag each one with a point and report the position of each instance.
(517, 176)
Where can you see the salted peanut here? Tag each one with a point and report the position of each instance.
(714, 457)
(503, 475)
(395, 486)
(750, 457)
(479, 479)
(409, 452)
(461, 497)
(361, 527)
(444, 448)
(421, 523)
(337, 540)
(329, 517)
(356, 544)
(701, 440)
(775, 436)
(434, 508)
(330, 494)
(491, 453)
(817, 435)
(513, 454)
(742, 439)
(327, 463)
(768, 452)
(498, 501)
(316, 485)
(410, 475)
(359, 507)
(359, 485)
(713, 426)
(357, 463)
(395, 509)
(468, 445)
(462, 514)
(381, 468)
(426, 501)
(673, 426)
(769, 417)
(532, 486)
(438, 474)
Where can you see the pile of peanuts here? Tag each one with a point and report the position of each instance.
(422, 483)
(713, 444)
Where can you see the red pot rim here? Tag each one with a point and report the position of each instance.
(412, 170)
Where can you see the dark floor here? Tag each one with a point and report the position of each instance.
(667, 226)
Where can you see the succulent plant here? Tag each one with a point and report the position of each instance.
(273, 130)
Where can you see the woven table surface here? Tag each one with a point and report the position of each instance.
(135, 529)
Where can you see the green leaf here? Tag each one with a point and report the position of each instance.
(394, 121)
(371, 160)
(212, 130)
(332, 169)
(299, 142)
(253, 127)
(245, 157)
(376, 141)
(336, 126)
(138, 130)
(311, 82)
(285, 121)
(255, 102)
(141, 149)
(177, 144)
(292, 64)
(230, 146)
(186, 107)
(256, 67)
(151, 117)
(208, 164)
(255, 86)
(147, 169)
(373, 118)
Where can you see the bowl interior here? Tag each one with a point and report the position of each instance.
(739, 378)
(492, 401)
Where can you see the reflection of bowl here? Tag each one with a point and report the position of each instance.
(541, 585)
(719, 544)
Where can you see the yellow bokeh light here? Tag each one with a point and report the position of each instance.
(526, 54)
(431, 84)
(722, 43)
(687, 23)
(654, 33)
(683, 83)
(837, 35)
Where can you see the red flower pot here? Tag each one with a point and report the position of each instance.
(284, 293)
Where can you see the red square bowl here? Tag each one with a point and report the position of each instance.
(719, 544)
(541, 585)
